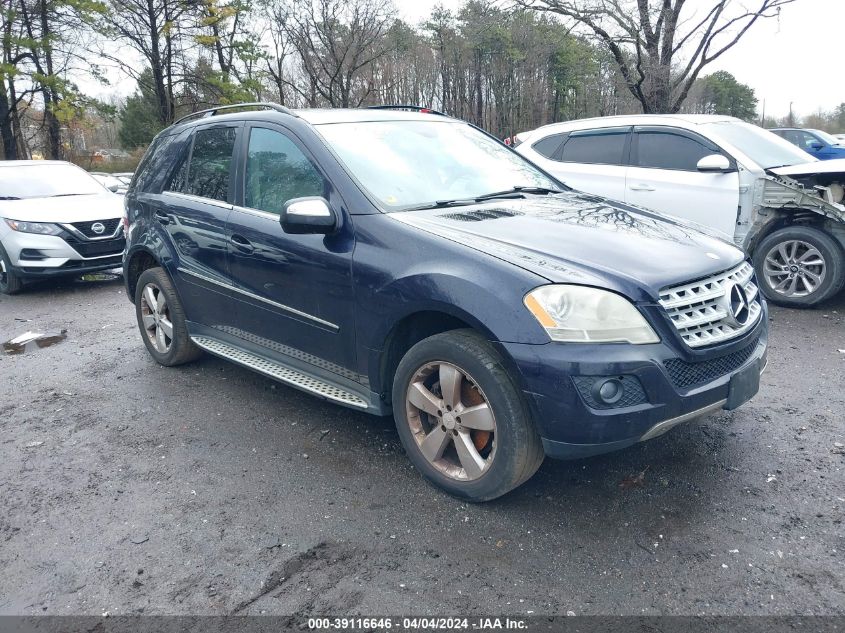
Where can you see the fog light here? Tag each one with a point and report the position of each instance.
(608, 391)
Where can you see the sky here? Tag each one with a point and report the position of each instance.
(794, 59)
(791, 60)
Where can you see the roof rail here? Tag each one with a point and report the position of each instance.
(256, 104)
(412, 108)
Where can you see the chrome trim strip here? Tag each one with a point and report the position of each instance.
(200, 199)
(661, 427)
(251, 295)
(256, 212)
(70, 228)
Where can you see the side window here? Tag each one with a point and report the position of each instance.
(179, 179)
(808, 140)
(548, 146)
(602, 147)
(665, 150)
(276, 171)
(204, 170)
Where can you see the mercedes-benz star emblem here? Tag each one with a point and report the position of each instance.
(98, 228)
(738, 305)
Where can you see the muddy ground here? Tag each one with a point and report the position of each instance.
(128, 488)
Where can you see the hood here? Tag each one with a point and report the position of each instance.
(832, 166)
(584, 239)
(99, 206)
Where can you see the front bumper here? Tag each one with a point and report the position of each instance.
(666, 385)
(35, 256)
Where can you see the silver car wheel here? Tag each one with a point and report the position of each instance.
(155, 315)
(4, 277)
(794, 268)
(451, 421)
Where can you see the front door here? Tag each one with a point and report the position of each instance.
(664, 177)
(295, 290)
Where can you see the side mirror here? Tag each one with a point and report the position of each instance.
(113, 188)
(816, 145)
(714, 163)
(308, 215)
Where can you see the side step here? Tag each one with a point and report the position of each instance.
(280, 372)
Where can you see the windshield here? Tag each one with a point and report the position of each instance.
(409, 164)
(765, 148)
(830, 139)
(32, 180)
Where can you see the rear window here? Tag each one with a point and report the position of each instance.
(602, 147)
(549, 146)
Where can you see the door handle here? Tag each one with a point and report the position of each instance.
(642, 187)
(242, 244)
(162, 217)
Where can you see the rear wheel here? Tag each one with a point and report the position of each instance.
(461, 418)
(10, 283)
(161, 319)
(799, 266)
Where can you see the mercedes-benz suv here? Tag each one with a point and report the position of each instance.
(407, 263)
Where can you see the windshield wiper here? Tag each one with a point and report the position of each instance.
(514, 192)
(9, 198)
(519, 189)
(62, 195)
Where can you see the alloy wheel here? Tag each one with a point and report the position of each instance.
(794, 268)
(451, 420)
(4, 276)
(155, 315)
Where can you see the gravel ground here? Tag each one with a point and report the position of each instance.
(129, 488)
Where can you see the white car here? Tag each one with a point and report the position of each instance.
(55, 219)
(110, 182)
(753, 187)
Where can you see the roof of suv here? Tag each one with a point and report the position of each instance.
(314, 116)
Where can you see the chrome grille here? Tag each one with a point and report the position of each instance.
(700, 309)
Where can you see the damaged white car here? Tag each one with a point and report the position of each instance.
(768, 196)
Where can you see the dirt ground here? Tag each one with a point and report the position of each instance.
(129, 488)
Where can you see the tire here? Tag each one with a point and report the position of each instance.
(814, 259)
(504, 457)
(155, 320)
(10, 283)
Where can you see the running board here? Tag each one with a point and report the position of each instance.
(280, 372)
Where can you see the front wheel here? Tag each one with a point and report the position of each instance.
(10, 283)
(461, 418)
(799, 266)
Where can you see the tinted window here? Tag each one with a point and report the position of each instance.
(276, 171)
(208, 173)
(549, 145)
(603, 147)
(665, 150)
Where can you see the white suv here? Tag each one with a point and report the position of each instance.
(755, 188)
(55, 220)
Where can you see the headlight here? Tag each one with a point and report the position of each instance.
(41, 228)
(578, 314)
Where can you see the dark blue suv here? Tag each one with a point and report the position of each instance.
(400, 261)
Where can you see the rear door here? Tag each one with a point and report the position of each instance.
(295, 291)
(194, 208)
(594, 161)
(664, 177)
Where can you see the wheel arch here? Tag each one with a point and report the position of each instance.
(412, 328)
(784, 218)
(139, 261)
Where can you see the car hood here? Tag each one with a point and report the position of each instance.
(832, 166)
(584, 239)
(100, 206)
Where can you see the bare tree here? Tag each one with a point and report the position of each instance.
(337, 42)
(661, 46)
